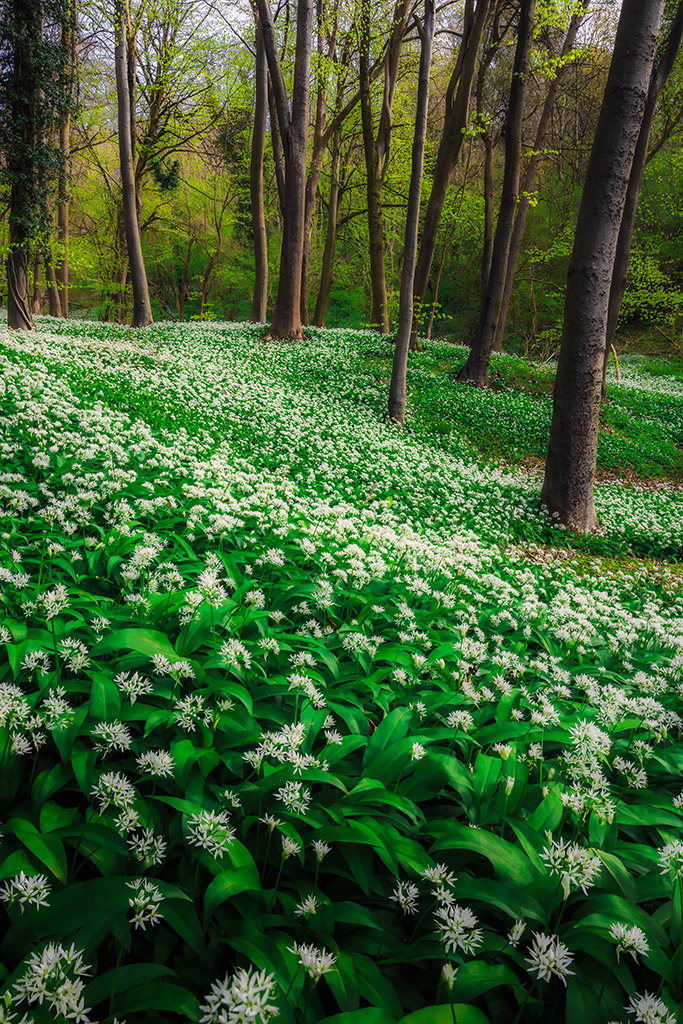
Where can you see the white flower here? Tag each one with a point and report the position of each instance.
(112, 736)
(516, 932)
(309, 905)
(149, 849)
(417, 752)
(449, 972)
(156, 762)
(576, 866)
(671, 858)
(113, 788)
(629, 940)
(457, 928)
(406, 894)
(321, 849)
(210, 831)
(549, 956)
(649, 1009)
(289, 847)
(145, 903)
(26, 889)
(295, 798)
(316, 961)
(243, 999)
(53, 976)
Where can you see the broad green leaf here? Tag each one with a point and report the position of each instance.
(443, 1014)
(508, 861)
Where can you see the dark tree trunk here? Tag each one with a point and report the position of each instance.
(397, 387)
(62, 268)
(55, 305)
(457, 115)
(286, 322)
(476, 369)
(37, 300)
(258, 216)
(572, 449)
(377, 149)
(660, 74)
(29, 23)
(276, 145)
(489, 213)
(533, 166)
(142, 311)
(322, 305)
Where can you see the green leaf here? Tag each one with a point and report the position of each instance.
(157, 996)
(123, 978)
(225, 886)
(443, 1014)
(508, 861)
(49, 850)
(145, 641)
(105, 699)
(368, 1015)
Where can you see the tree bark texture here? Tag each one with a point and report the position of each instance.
(286, 322)
(572, 449)
(54, 302)
(397, 387)
(322, 305)
(658, 79)
(37, 299)
(258, 216)
(456, 118)
(533, 166)
(68, 42)
(476, 369)
(142, 311)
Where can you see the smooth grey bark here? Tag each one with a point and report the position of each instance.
(37, 298)
(572, 449)
(142, 311)
(54, 302)
(658, 79)
(258, 216)
(286, 322)
(397, 387)
(476, 369)
(533, 166)
(68, 42)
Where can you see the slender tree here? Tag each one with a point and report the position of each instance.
(68, 43)
(457, 106)
(377, 148)
(476, 368)
(142, 311)
(258, 216)
(293, 127)
(660, 73)
(572, 449)
(397, 387)
(533, 167)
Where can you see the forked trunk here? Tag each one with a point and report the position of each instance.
(18, 308)
(572, 449)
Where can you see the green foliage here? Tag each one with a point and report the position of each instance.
(268, 704)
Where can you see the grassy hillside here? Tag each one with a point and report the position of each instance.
(300, 714)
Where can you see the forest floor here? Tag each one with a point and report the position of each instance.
(285, 689)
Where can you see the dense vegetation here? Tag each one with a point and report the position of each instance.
(304, 714)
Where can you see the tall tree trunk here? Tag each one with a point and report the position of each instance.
(489, 213)
(377, 149)
(142, 310)
(533, 167)
(286, 322)
(660, 74)
(68, 42)
(276, 145)
(29, 22)
(55, 305)
(455, 123)
(572, 449)
(322, 305)
(397, 387)
(37, 300)
(258, 215)
(476, 369)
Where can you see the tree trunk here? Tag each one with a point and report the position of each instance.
(535, 161)
(476, 369)
(658, 80)
(397, 387)
(572, 449)
(258, 217)
(142, 311)
(455, 123)
(379, 311)
(489, 214)
(322, 305)
(68, 43)
(37, 299)
(52, 289)
(286, 323)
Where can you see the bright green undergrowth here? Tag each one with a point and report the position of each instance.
(297, 718)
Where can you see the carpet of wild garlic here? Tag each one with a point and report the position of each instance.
(288, 725)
